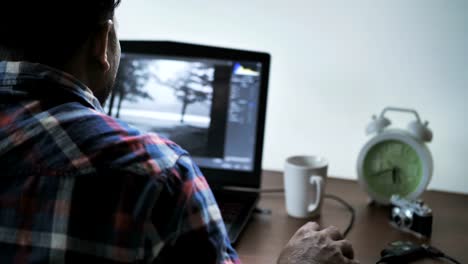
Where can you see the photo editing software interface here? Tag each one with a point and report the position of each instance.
(207, 106)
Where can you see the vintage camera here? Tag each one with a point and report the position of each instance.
(411, 216)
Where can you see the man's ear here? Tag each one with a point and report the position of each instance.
(100, 44)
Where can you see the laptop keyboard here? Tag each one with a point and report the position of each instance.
(236, 209)
(229, 211)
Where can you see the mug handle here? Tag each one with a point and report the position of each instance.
(317, 181)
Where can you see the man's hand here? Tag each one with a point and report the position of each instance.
(314, 246)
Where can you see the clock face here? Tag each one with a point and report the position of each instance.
(392, 167)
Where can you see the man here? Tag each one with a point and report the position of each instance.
(78, 186)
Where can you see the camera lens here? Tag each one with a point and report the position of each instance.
(408, 219)
(407, 222)
(396, 218)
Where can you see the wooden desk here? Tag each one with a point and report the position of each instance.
(264, 237)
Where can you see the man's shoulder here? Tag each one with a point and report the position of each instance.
(108, 142)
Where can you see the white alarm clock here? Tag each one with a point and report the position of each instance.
(395, 161)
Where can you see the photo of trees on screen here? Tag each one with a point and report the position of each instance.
(170, 97)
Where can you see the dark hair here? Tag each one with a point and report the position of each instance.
(49, 31)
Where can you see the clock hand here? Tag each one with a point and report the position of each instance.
(396, 175)
(382, 172)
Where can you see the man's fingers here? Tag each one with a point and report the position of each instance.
(310, 228)
(307, 229)
(323, 246)
(345, 247)
(333, 233)
(312, 225)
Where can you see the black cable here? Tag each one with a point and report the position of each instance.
(328, 196)
(281, 190)
(450, 259)
(349, 207)
(437, 253)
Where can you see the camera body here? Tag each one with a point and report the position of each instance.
(413, 217)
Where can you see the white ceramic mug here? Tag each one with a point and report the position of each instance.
(304, 183)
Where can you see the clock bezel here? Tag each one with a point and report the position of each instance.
(399, 135)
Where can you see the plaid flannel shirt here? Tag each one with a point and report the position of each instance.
(78, 186)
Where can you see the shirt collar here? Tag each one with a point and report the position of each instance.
(14, 75)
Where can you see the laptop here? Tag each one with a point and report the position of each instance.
(209, 100)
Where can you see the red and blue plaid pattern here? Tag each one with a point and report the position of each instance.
(78, 186)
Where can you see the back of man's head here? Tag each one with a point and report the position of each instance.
(49, 31)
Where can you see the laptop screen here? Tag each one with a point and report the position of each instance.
(209, 106)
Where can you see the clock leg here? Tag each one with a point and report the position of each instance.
(371, 202)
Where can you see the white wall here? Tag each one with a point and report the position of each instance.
(335, 63)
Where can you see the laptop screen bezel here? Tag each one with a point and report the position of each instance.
(218, 177)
